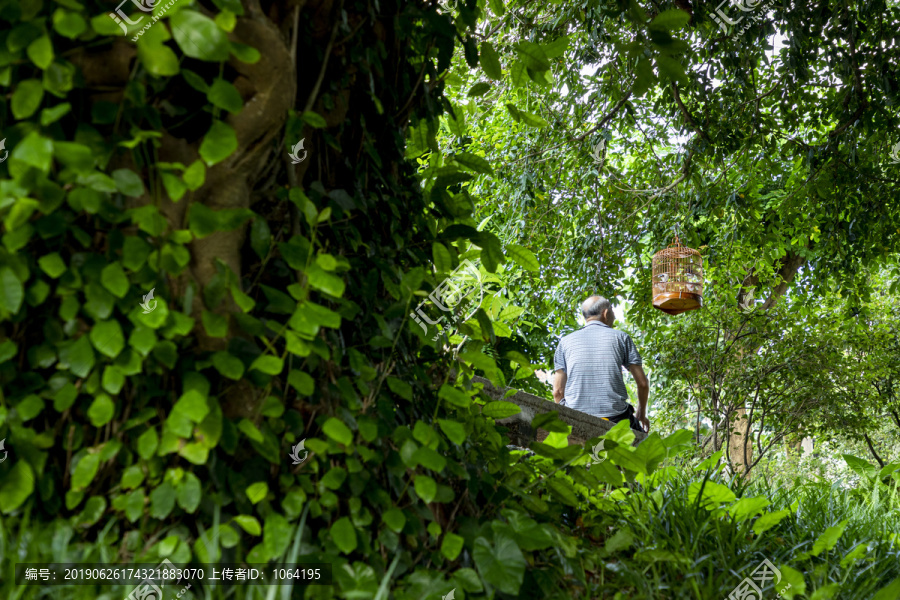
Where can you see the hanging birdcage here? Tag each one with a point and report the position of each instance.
(677, 279)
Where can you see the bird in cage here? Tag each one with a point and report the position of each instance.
(662, 277)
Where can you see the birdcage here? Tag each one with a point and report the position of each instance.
(677, 279)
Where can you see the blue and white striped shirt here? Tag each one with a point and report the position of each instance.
(592, 359)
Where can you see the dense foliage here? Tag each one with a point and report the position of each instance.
(285, 292)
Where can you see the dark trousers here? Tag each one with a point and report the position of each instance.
(628, 414)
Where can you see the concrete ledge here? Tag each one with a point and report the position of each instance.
(584, 426)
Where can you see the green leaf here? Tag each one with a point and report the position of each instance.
(533, 56)
(451, 545)
(248, 524)
(194, 175)
(16, 485)
(85, 471)
(622, 539)
(394, 519)
(155, 55)
(224, 95)
(134, 505)
(454, 431)
(128, 182)
(829, 538)
(35, 150)
(400, 387)
(101, 410)
(9, 349)
(429, 459)
(270, 365)
(858, 553)
(107, 338)
(769, 520)
(114, 279)
(322, 280)
(344, 535)
(40, 51)
(147, 444)
(524, 257)
(260, 237)
(199, 37)
(214, 324)
(219, 143)
(52, 265)
(27, 99)
(162, 500)
(671, 19)
(54, 113)
(890, 592)
(557, 47)
(302, 382)
(747, 508)
(338, 431)
(479, 89)
(794, 579)
(245, 53)
(314, 119)
(228, 365)
(30, 407)
(12, 292)
(473, 162)
(193, 405)
(714, 494)
(204, 221)
(672, 69)
(490, 61)
(69, 24)
(521, 116)
(78, 357)
(502, 565)
(491, 251)
(441, 257)
(454, 396)
(188, 493)
(277, 534)
(860, 466)
(426, 488)
(500, 409)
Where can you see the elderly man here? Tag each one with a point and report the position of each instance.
(589, 365)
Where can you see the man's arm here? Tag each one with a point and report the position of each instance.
(559, 385)
(643, 388)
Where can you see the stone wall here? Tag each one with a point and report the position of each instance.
(584, 426)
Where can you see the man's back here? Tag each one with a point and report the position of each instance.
(592, 359)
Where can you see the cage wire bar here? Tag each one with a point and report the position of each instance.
(677, 279)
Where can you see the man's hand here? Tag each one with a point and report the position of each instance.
(643, 387)
(642, 418)
(559, 385)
